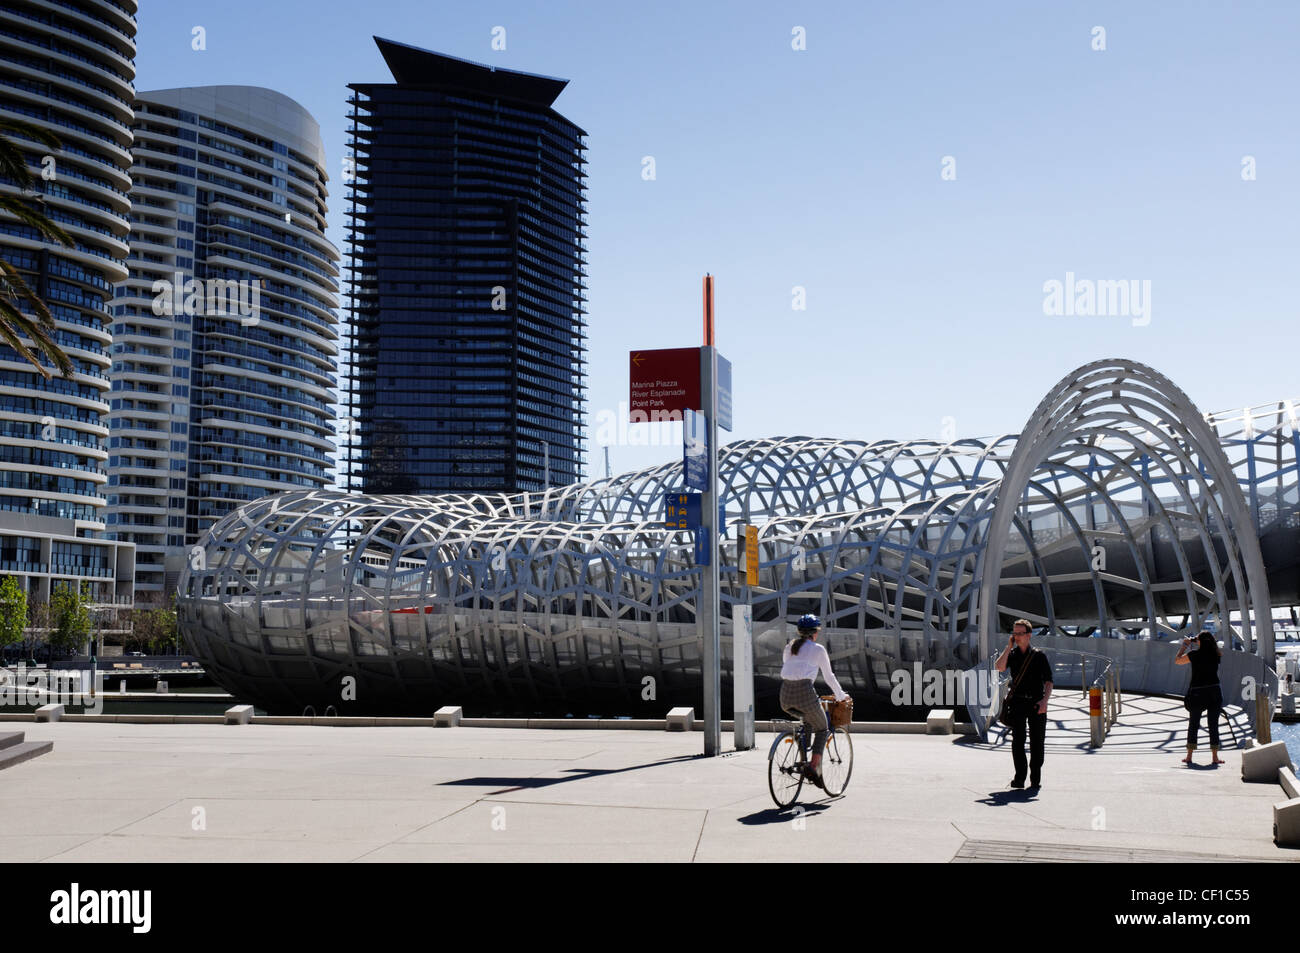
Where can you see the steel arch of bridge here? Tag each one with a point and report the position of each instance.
(577, 596)
(1112, 403)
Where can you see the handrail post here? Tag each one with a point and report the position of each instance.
(1107, 701)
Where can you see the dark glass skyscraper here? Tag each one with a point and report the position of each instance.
(467, 330)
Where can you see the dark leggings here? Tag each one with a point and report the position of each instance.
(1206, 699)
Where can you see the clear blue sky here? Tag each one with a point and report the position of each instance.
(821, 168)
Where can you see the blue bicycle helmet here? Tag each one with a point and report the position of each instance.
(809, 623)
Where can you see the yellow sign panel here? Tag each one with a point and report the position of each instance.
(751, 555)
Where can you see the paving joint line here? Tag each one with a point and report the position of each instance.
(417, 830)
(116, 829)
(700, 837)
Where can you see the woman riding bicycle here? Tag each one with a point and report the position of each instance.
(802, 660)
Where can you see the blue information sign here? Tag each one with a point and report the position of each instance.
(701, 549)
(681, 511)
(695, 449)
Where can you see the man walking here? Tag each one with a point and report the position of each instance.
(1026, 704)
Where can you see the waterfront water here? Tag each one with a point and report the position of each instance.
(1290, 733)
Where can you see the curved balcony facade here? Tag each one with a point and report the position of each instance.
(224, 354)
(66, 67)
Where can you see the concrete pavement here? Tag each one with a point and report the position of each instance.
(123, 792)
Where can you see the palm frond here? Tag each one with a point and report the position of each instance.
(38, 220)
(38, 329)
(46, 138)
(12, 285)
(14, 291)
(9, 321)
(10, 318)
(12, 161)
(13, 164)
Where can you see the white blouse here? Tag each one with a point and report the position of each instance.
(812, 658)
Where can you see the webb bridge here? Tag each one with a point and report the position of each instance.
(1119, 511)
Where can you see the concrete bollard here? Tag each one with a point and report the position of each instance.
(1261, 762)
(1286, 778)
(448, 716)
(681, 719)
(940, 722)
(1286, 823)
(161, 687)
(239, 715)
(49, 713)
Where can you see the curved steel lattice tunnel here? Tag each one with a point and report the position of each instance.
(1119, 506)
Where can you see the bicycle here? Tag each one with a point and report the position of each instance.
(788, 756)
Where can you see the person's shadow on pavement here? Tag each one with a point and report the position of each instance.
(1003, 798)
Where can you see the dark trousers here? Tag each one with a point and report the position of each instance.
(1026, 720)
(1208, 699)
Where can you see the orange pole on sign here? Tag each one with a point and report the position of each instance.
(708, 311)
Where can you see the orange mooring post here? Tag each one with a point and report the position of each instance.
(1098, 730)
(708, 311)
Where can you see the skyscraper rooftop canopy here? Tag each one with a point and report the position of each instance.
(412, 66)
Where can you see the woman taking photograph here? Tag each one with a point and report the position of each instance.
(1203, 695)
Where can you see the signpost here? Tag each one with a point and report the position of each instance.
(742, 635)
(710, 596)
(742, 674)
(693, 385)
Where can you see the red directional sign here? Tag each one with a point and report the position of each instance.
(664, 383)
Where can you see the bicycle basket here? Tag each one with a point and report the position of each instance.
(840, 713)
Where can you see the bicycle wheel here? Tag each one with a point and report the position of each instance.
(837, 762)
(784, 769)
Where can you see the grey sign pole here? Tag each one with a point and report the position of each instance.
(707, 617)
(742, 646)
